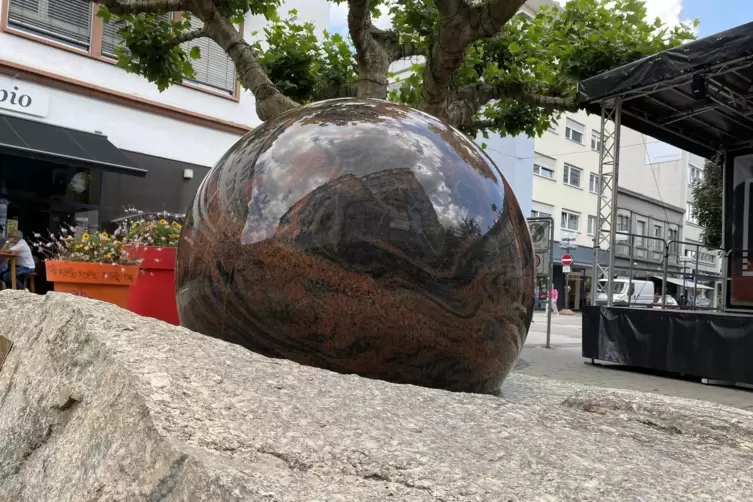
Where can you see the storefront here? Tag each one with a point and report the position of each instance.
(58, 169)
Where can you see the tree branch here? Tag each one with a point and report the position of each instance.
(270, 102)
(333, 91)
(459, 26)
(489, 18)
(124, 7)
(187, 37)
(397, 51)
(469, 99)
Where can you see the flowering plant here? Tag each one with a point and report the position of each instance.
(95, 247)
(151, 229)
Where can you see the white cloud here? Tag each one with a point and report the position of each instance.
(338, 17)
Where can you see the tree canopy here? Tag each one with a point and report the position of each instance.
(477, 64)
(707, 203)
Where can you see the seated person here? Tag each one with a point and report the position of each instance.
(24, 261)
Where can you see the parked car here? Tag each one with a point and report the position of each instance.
(670, 303)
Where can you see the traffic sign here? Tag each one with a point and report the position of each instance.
(540, 235)
(542, 263)
(565, 269)
(566, 260)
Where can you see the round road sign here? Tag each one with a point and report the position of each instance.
(567, 260)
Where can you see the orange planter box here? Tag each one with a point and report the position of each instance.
(99, 281)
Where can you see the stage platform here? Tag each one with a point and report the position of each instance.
(710, 345)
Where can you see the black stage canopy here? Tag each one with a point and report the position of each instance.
(698, 96)
(37, 140)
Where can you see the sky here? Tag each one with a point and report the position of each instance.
(715, 15)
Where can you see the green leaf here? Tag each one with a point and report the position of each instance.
(195, 52)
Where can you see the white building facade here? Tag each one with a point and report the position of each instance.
(61, 55)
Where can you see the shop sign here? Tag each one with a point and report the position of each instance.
(22, 97)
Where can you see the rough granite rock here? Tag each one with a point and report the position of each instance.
(97, 404)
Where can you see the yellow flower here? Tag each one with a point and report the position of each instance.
(103, 235)
(174, 236)
(163, 222)
(108, 255)
(176, 225)
(85, 237)
(79, 246)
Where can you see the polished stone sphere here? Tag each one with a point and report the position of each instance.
(361, 236)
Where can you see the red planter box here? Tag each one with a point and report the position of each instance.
(153, 294)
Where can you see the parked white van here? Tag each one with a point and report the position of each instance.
(639, 292)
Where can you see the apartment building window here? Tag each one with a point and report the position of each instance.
(623, 223)
(544, 166)
(658, 245)
(673, 235)
(690, 213)
(574, 131)
(641, 231)
(695, 174)
(591, 225)
(570, 221)
(539, 210)
(593, 183)
(66, 21)
(214, 68)
(111, 37)
(595, 141)
(571, 175)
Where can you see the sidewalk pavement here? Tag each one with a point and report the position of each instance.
(564, 362)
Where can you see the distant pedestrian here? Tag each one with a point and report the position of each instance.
(555, 296)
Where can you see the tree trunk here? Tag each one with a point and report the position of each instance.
(373, 57)
(270, 102)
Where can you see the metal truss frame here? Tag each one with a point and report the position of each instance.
(606, 203)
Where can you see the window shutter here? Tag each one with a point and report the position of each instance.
(544, 161)
(575, 126)
(66, 20)
(112, 39)
(214, 68)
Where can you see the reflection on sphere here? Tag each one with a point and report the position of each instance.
(361, 236)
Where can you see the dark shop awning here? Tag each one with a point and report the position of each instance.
(37, 140)
(698, 96)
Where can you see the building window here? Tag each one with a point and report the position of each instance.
(673, 235)
(570, 221)
(690, 213)
(593, 183)
(595, 141)
(623, 223)
(571, 176)
(111, 37)
(539, 210)
(574, 131)
(591, 225)
(214, 68)
(658, 244)
(544, 166)
(703, 257)
(66, 21)
(641, 231)
(695, 174)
